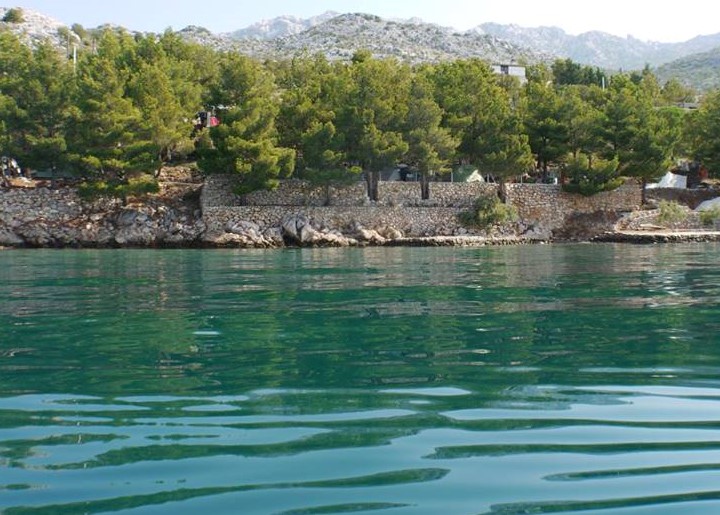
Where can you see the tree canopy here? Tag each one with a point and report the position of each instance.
(126, 107)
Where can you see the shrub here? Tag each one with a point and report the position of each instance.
(14, 15)
(134, 187)
(488, 211)
(671, 213)
(709, 217)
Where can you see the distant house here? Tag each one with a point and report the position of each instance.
(511, 70)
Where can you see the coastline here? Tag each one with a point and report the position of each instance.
(177, 217)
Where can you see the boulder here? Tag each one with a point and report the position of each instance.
(390, 233)
(10, 239)
(370, 236)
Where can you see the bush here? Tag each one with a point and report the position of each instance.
(134, 187)
(671, 213)
(14, 15)
(709, 217)
(488, 211)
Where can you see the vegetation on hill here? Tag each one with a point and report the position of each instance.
(129, 104)
(698, 70)
(14, 15)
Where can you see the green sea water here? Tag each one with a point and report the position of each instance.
(529, 379)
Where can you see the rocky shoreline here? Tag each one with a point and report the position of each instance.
(40, 217)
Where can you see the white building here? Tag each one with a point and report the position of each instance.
(511, 70)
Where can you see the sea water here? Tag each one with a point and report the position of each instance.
(528, 379)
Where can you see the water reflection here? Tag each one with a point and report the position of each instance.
(493, 380)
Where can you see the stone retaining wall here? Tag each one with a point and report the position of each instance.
(20, 205)
(412, 221)
(442, 194)
(544, 208)
(218, 192)
(548, 204)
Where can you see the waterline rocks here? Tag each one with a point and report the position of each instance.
(43, 217)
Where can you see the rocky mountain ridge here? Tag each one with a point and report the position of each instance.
(36, 27)
(281, 26)
(599, 48)
(339, 35)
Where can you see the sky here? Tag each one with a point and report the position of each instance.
(645, 20)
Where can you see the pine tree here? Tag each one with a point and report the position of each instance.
(246, 142)
(430, 146)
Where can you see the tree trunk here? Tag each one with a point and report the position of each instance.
(424, 186)
(375, 179)
(643, 194)
(502, 190)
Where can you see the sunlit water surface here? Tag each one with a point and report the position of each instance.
(534, 379)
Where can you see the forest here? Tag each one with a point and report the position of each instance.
(119, 106)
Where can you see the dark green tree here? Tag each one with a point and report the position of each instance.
(325, 161)
(245, 143)
(15, 65)
(480, 112)
(703, 131)
(371, 112)
(14, 15)
(46, 104)
(546, 124)
(431, 147)
(103, 141)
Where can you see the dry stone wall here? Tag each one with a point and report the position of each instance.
(218, 192)
(549, 205)
(411, 221)
(543, 209)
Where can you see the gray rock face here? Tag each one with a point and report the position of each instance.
(59, 218)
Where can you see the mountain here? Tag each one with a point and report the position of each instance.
(699, 71)
(599, 48)
(411, 41)
(281, 26)
(36, 27)
(693, 62)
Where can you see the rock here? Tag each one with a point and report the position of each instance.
(136, 236)
(242, 227)
(296, 230)
(390, 233)
(10, 239)
(370, 236)
(274, 236)
(129, 217)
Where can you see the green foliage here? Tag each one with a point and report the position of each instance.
(671, 213)
(703, 130)
(566, 72)
(589, 175)
(138, 186)
(710, 217)
(245, 143)
(14, 15)
(546, 124)
(125, 107)
(487, 211)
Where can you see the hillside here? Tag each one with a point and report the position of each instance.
(701, 71)
(693, 62)
(599, 48)
(36, 27)
(281, 26)
(339, 37)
